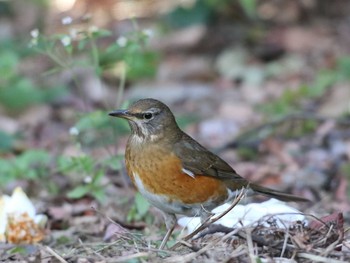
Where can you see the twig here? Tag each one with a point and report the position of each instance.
(127, 232)
(250, 244)
(107, 246)
(189, 257)
(54, 253)
(332, 246)
(316, 258)
(129, 257)
(284, 247)
(89, 251)
(239, 251)
(211, 220)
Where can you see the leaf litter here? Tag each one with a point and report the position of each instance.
(279, 153)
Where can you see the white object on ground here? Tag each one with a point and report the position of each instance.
(243, 215)
(19, 222)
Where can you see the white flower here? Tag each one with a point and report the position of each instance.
(66, 40)
(88, 180)
(19, 222)
(93, 29)
(122, 41)
(74, 131)
(34, 33)
(148, 32)
(67, 20)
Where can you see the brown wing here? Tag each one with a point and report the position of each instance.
(200, 161)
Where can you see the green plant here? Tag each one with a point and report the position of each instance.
(139, 209)
(30, 165)
(129, 50)
(127, 57)
(292, 101)
(199, 13)
(83, 169)
(130, 53)
(6, 141)
(205, 11)
(17, 91)
(92, 186)
(88, 174)
(249, 7)
(97, 129)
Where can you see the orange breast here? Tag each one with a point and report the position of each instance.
(161, 173)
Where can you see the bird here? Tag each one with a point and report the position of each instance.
(174, 172)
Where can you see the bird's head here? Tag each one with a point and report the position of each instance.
(149, 119)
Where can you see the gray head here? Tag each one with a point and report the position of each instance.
(149, 119)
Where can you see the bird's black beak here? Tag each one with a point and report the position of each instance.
(120, 114)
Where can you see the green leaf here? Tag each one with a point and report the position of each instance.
(99, 194)
(114, 162)
(97, 178)
(31, 164)
(6, 141)
(101, 33)
(199, 13)
(249, 7)
(19, 93)
(65, 164)
(8, 62)
(7, 172)
(344, 67)
(82, 44)
(63, 240)
(324, 80)
(85, 163)
(18, 250)
(142, 206)
(132, 214)
(79, 191)
(93, 120)
(97, 129)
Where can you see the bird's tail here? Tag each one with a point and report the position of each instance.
(277, 194)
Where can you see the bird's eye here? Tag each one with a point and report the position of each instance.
(148, 116)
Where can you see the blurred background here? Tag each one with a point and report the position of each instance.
(263, 83)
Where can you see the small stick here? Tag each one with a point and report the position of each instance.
(129, 257)
(250, 245)
(316, 258)
(54, 253)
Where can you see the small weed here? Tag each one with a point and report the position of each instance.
(30, 165)
(126, 58)
(139, 209)
(6, 141)
(89, 176)
(17, 91)
(94, 129)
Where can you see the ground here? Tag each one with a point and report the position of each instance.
(265, 89)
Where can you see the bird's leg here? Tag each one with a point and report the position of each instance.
(170, 223)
